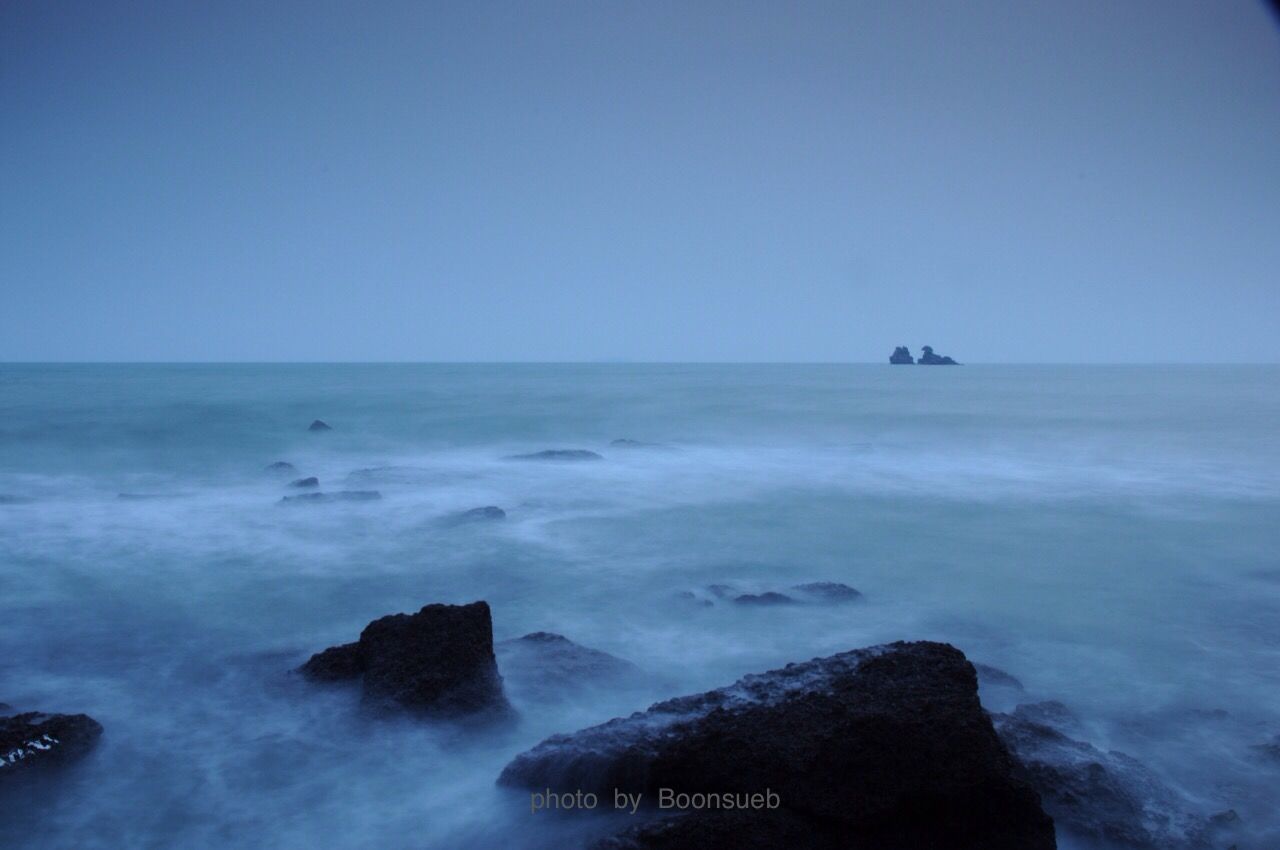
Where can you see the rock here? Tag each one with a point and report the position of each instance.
(318, 425)
(559, 454)
(7, 499)
(928, 358)
(340, 496)
(828, 591)
(437, 662)
(544, 665)
(33, 741)
(886, 747)
(305, 482)
(994, 676)
(768, 598)
(627, 443)
(484, 514)
(1269, 751)
(901, 356)
(281, 466)
(1108, 796)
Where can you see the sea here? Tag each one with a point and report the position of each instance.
(1108, 535)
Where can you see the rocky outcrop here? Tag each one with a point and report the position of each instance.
(488, 513)
(886, 747)
(282, 466)
(814, 593)
(928, 358)
(901, 356)
(1106, 796)
(766, 598)
(35, 741)
(340, 496)
(544, 665)
(305, 482)
(319, 425)
(827, 591)
(437, 662)
(558, 454)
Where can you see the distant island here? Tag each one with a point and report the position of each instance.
(902, 357)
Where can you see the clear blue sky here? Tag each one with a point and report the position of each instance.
(1007, 181)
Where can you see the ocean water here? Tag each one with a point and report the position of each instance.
(1109, 535)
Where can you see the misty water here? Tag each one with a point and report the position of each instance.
(1108, 535)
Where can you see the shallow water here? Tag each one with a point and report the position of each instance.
(1109, 535)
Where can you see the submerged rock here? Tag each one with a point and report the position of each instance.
(767, 598)
(1099, 795)
(488, 513)
(901, 356)
(281, 466)
(319, 425)
(340, 496)
(543, 665)
(928, 358)
(305, 482)
(886, 747)
(437, 662)
(628, 443)
(34, 741)
(7, 499)
(558, 454)
(828, 591)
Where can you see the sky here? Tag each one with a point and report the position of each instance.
(639, 181)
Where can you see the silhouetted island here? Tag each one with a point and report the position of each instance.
(902, 357)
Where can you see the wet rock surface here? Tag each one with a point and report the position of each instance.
(558, 454)
(305, 482)
(1100, 795)
(544, 665)
(35, 741)
(319, 425)
(885, 747)
(439, 662)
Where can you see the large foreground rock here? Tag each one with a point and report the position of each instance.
(34, 741)
(886, 747)
(437, 662)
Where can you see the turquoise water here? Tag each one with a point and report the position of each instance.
(1109, 535)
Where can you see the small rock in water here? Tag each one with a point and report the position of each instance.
(928, 358)
(558, 454)
(901, 356)
(484, 514)
(33, 740)
(828, 591)
(768, 598)
(627, 443)
(305, 482)
(281, 466)
(543, 665)
(437, 662)
(318, 425)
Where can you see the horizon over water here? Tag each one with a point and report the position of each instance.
(1108, 534)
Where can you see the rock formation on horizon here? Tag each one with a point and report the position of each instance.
(928, 358)
(901, 356)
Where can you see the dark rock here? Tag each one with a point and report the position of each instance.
(1270, 751)
(437, 662)
(318, 425)
(994, 676)
(721, 591)
(768, 598)
(928, 358)
(281, 466)
(626, 443)
(484, 514)
(542, 665)
(1108, 796)
(33, 741)
(886, 747)
(901, 356)
(828, 591)
(340, 496)
(559, 454)
(305, 482)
